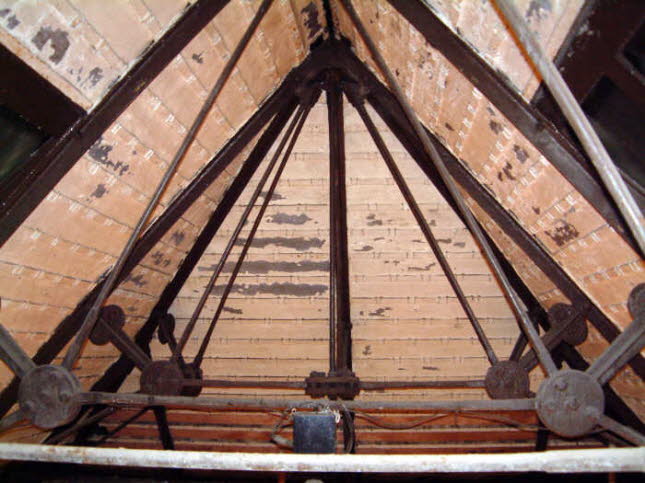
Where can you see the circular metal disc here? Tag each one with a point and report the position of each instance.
(507, 380)
(46, 396)
(113, 315)
(570, 402)
(162, 378)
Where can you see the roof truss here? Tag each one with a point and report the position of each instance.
(336, 56)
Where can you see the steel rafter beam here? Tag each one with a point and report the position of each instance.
(340, 333)
(605, 167)
(53, 162)
(165, 436)
(68, 327)
(528, 120)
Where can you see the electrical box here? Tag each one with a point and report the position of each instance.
(314, 433)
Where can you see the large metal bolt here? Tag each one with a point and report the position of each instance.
(561, 385)
(64, 396)
(572, 403)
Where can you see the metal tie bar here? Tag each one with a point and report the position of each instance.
(122, 425)
(340, 341)
(231, 243)
(578, 120)
(629, 343)
(425, 228)
(12, 354)
(248, 404)
(92, 315)
(525, 323)
(301, 117)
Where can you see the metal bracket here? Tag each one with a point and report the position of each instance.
(341, 384)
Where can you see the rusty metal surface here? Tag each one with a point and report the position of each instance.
(193, 379)
(341, 383)
(570, 403)
(579, 461)
(576, 328)
(249, 404)
(112, 315)
(47, 396)
(636, 301)
(166, 330)
(162, 378)
(507, 380)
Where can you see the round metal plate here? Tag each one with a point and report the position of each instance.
(192, 372)
(113, 315)
(577, 331)
(570, 402)
(47, 396)
(636, 300)
(507, 380)
(162, 378)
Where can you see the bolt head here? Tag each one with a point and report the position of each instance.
(561, 385)
(572, 403)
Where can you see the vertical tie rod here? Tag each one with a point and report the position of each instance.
(340, 339)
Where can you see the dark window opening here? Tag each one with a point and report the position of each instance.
(18, 140)
(619, 124)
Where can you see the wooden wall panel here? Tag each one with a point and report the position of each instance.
(82, 47)
(480, 24)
